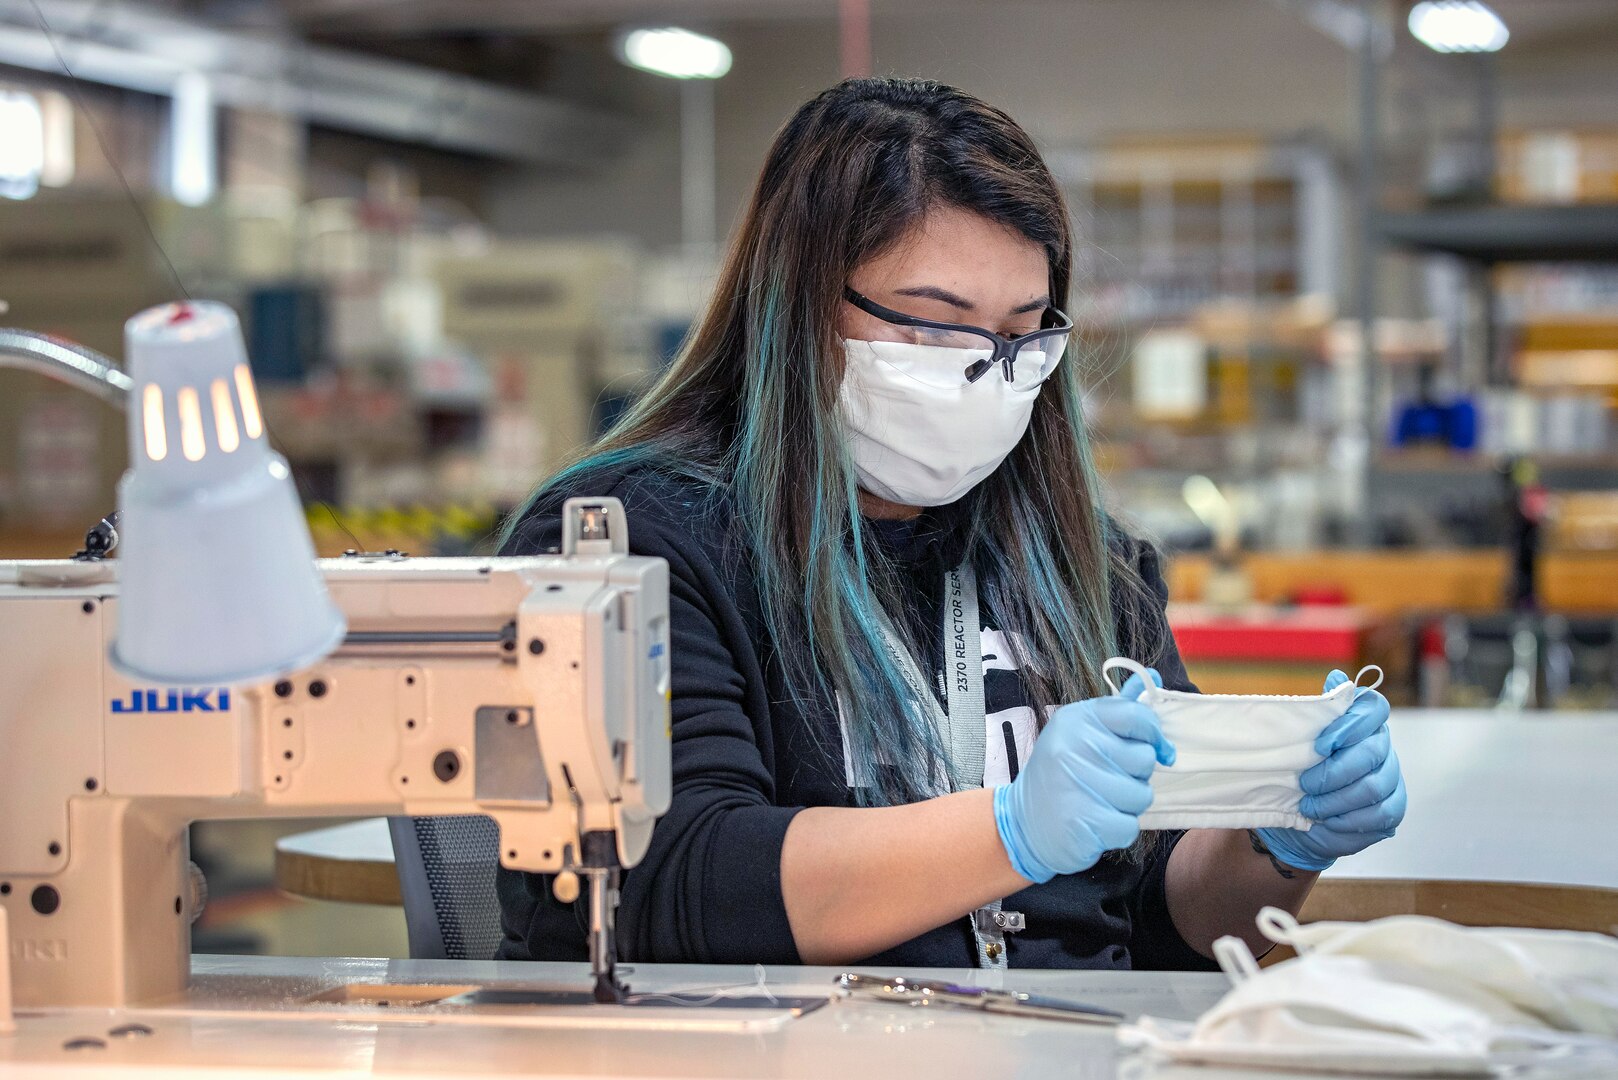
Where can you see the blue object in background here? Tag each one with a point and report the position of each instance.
(1420, 423)
(607, 411)
(667, 339)
(1463, 424)
(286, 332)
(1426, 423)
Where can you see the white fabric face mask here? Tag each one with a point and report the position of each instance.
(1560, 978)
(919, 433)
(1406, 996)
(1237, 756)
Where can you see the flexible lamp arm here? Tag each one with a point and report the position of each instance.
(74, 365)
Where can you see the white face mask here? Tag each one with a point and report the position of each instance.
(920, 434)
(1406, 996)
(1566, 979)
(1237, 756)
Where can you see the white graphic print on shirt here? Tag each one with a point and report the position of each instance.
(1006, 711)
(1008, 722)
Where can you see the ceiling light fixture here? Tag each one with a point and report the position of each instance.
(1458, 26)
(193, 144)
(675, 53)
(22, 144)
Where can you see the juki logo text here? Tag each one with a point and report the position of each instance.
(208, 699)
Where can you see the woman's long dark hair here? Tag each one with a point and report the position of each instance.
(750, 406)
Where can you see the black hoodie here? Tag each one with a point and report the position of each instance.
(748, 755)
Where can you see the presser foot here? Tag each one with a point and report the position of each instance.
(602, 873)
(609, 990)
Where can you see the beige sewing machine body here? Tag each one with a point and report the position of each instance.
(215, 670)
(533, 690)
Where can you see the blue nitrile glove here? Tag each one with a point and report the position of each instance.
(1355, 797)
(1084, 787)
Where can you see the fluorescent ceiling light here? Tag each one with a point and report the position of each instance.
(193, 174)
(675, 53)
(1458, 26)
(22, 144)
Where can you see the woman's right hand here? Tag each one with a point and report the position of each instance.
(1085, 785)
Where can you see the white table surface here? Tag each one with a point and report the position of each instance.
(1529, 797)
(1493, 797)
(216, 1032)
(237, 1022)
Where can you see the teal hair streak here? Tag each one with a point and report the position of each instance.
(1063, 615)
(833, 607)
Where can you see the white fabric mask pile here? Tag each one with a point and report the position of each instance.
(1237, 756)
(1406, 996)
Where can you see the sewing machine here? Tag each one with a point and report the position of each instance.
(533, 690)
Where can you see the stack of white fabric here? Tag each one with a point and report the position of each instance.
(1406, 996)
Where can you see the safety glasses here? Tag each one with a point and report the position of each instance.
(1049, 342)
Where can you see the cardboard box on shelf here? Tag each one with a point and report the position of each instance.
(61, 451)
(61, 454)
(1559, 166)
(1299, 324)
(1573, 368)
(70, 258)
(339, 419)
(1584, 520)
(544, 413)
(550, 320)
(1562, 334)
(535, 294)
(77, 264)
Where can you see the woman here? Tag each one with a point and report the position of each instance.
(820, 467)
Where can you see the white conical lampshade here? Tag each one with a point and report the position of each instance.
(218, 582)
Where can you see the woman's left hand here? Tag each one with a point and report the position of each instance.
(1355, 797)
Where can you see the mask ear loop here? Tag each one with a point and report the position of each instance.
(1279, 926)
(1235, 959)
(1361, 675)
(1126, 664)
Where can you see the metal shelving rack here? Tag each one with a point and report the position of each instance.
(1166, 226)
(1499, 233)
(1470, 221)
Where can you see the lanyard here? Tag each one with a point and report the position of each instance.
(962, 725)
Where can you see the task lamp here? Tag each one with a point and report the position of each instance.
(217, 579)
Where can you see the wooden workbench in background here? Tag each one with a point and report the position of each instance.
(1405, 582)
(1384, 582)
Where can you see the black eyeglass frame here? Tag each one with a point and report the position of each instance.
(1005, 349)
